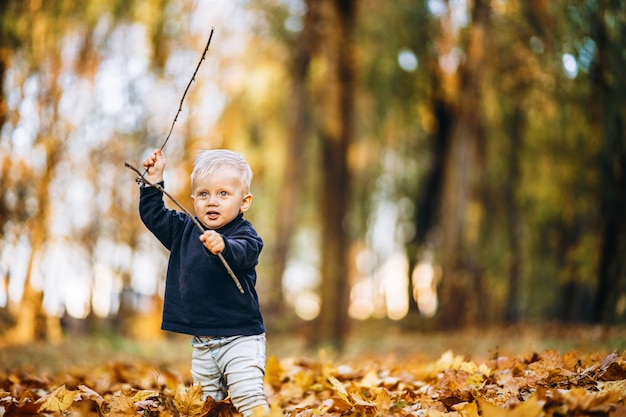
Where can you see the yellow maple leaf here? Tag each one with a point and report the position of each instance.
(437, 413)
(529, 408)
(466, 409)
(469, 367)
(122, 405)
(61, 399)
(594, 402)
(383, 399)
(275, 409)
(484, 369)
(144, 395)
(303, 379)
(475, 380)
(273, 373)
(570, 361)
(188, 401)
(89, 394)
(618, 386)
(371, 379)
(261, 411)
(340, 389)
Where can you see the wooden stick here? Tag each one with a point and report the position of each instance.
(180, 106)
(142, 180)
(193, 77)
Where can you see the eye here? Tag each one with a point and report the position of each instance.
(223, 193)
(203, 194)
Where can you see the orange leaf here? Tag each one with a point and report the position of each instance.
(273, 373)
(188, 401)
(89, 394)
(383, 400)
(592, 402)
(60, 400)
(143, 395)
(529, 408)
(466, 409)
(122, 406)
(339, 389)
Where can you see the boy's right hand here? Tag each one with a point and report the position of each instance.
(155, 165)
(213, 241)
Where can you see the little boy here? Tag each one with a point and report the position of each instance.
(201, 299)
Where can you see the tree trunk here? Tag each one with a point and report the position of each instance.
(515, 126)
(608, 84)
(336, 136)
(293, 170)
(428, 204)
(460, 213)
(31, 321)
(5, 162)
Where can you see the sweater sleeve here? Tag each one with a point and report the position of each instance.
(161, 221)
(243, 248)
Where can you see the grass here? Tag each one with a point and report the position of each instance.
(380, 341)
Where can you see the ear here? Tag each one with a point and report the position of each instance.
(245, 204)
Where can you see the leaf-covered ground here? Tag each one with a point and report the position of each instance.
(549, 382)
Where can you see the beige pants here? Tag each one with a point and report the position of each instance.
(235, 364)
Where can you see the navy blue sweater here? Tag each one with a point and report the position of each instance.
(201, 299)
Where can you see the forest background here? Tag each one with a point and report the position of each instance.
(431, 164)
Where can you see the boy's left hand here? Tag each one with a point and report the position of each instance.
(213, 241)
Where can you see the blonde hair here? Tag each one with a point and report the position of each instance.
(207, 162)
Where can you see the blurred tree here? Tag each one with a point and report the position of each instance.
(395, 122)
(317, 117)
(515, 70)
(607, 113)
(34, 31)
(462, 211)
(535, 209)
(336, 132)
(34, 39)
(301, 47)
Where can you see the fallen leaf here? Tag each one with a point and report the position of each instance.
(383, 400)
(466, 409)
(89, 394)
(59, 400)
(188, 401)
(122, 405)
(143, 395)
(529, 408)
(578, 399)
(339, 389)
(273, 373)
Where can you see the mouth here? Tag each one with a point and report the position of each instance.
(212, 215)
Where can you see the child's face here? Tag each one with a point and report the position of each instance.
(219, 198)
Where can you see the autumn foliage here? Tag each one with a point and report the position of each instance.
(546, 384)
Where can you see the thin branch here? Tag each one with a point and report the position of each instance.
(193, 78)
(180, 106)
(142, 180)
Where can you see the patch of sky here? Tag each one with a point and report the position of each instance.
(570, 66)
(437, 7)
(587, 54)
(407, 60)
(297, 10)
